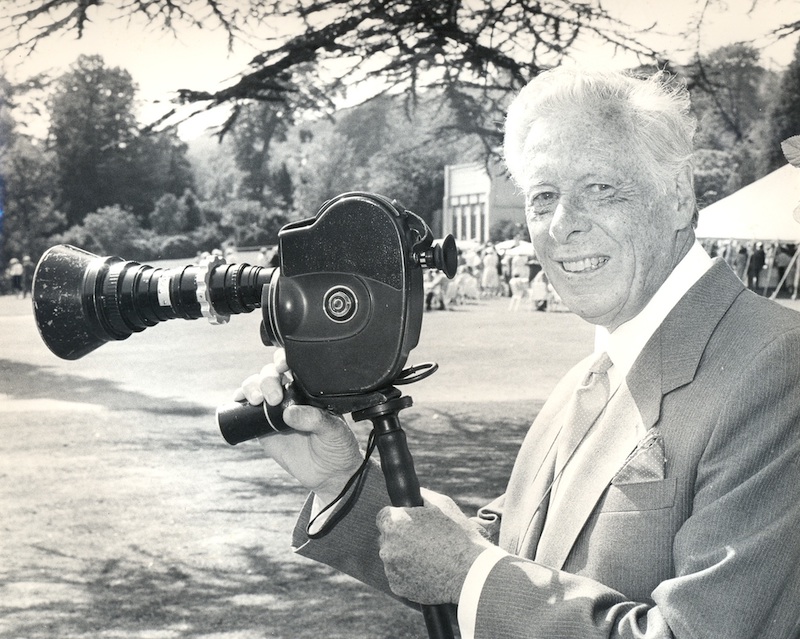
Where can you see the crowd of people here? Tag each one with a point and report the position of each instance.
(487, 271)
(761, 266)
(484, 271)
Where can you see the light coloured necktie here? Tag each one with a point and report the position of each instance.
(584, 407)
(586, 404)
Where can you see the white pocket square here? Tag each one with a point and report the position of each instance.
(645, 463)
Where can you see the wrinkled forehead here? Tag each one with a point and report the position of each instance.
(578, 137)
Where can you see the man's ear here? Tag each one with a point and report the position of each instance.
(685, 203)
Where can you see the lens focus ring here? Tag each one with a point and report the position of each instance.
(340, 304)
(110, 299)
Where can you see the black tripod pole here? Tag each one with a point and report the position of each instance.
(402, 485)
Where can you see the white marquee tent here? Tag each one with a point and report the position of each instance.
(763, 210)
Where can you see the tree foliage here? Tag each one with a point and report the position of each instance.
(168, 216)
(27, 186)
(92, 126)
(784, 116)
(257, 128)
(110, 231)
(728, 93)
(30, 216)
(324, 167)
(714, 175)
(159, 164)
(472, 52)
(6, 119)
(376, 146)
(251, 223)
(173, 215)
(102, 157)
(409, 159)
(216, 174)
(731, 93)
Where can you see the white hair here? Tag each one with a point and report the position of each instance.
(656, 109)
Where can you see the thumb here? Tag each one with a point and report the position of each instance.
(442, 502)
(309, 419)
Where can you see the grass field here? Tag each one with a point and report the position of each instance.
(125, 514)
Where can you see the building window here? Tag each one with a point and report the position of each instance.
(468, 215)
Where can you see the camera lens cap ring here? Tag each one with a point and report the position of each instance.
(340, 304)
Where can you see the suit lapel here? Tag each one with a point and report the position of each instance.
(668, 361)
(671, 357)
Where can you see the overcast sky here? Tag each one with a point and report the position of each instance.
(160, 62)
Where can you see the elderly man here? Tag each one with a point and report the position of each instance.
(656, 494)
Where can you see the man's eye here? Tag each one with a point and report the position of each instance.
(542, 202)
(600, 188)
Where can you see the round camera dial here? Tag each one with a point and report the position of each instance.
(340, 304)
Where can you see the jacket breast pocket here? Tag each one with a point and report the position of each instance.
(649, 495)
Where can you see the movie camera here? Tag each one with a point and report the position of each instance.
(346, 304)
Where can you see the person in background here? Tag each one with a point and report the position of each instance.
(782, 261)
(28, 269)
(15, 272)
(490, 274)
(539, 291)
(262, 259)
(740, 263)
(435, 287)
(757, 261)
(655, 494)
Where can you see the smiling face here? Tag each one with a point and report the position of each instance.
(606, 234)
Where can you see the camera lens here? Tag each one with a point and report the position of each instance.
(82, 300)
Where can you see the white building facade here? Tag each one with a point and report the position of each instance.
(476, 198)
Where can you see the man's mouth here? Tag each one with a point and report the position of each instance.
(584, 265)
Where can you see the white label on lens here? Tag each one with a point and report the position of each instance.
(163, 289)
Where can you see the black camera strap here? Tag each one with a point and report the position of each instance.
(356, 482)
(407, 376)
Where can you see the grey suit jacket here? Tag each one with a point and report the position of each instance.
(688, 522)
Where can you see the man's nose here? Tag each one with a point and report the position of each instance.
(569, 218)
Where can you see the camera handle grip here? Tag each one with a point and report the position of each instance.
(403, 487)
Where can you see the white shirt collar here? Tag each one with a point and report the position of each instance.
(626, 343)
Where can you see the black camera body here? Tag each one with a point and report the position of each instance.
(348, 303)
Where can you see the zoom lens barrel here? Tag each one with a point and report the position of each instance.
(82, 300)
